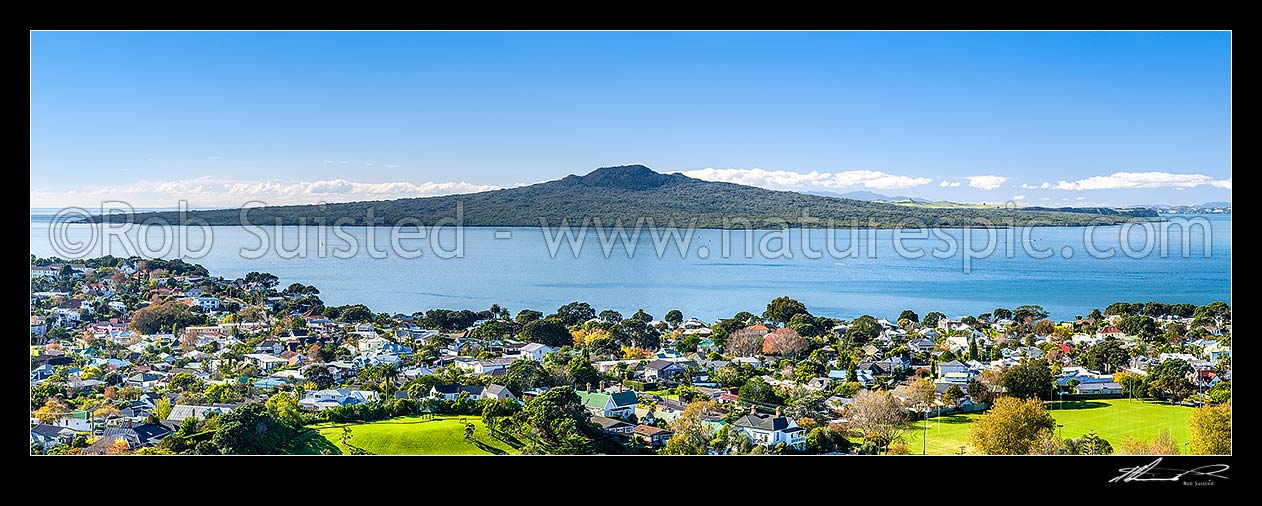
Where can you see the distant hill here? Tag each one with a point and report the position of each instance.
(628, 193)
(866, 196)
(1139, 212)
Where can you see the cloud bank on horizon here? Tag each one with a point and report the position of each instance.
(208, 191)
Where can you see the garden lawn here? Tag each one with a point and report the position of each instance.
(414, 435)
(1112, 419)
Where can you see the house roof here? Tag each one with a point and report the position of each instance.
(649, 430)
(498, 390)
(50, 431)
(763, 421)
(608, 423)
(600, 399)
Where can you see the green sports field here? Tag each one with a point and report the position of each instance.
(441, 435)
(1112, 419)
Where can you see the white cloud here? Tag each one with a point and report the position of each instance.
(1027, 186)
(207, 191)
(986, 182)
(949, 184)
(1127, 180)
(1080, 198)
(814, 179)
(1045, 185)
(1018, 197)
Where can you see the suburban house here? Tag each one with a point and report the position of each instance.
(49, 436)
(921, 345)
(270, 347)
(612, 425)
(181, 411)
(145, 379)
(618, 403)
(663, 370)
(267, 362)
(954, 366)
(654, 436)
(535, 351)
(323, 399)
(770, 430)
(1105, 388)
(451, 392)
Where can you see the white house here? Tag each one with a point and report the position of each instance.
(267, 362)
(535, 351)
(768, 430)
(323, 399)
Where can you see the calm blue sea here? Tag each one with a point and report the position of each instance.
(519, 272)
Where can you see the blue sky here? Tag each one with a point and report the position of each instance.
(220, 118)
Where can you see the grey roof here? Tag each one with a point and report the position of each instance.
(608, 423)
(498, 390)
(1099, 386)
(763, 421)
(49, 431)
(659, 365)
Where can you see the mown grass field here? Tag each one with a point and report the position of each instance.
(440, 435)
(1112, 419)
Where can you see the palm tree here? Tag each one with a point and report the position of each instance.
(389, 374)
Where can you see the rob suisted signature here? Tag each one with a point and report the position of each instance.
(1151, 472)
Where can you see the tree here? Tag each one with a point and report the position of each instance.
(320, 375)
(952, 395)
(1095, 315)
(168, 315)
(574, 313)
(468, 430)
(581, 371)
(1002, 314)
(182, 382)
(526, 316)
(498, 414)
(744, 342)
(1030, 379)
(1169, 380)
(249, 430)
(1012, 427)
(863, 329)
(1028, 313)
(1209, 430)
(692, 436)
(52, 410)
(284, 408)
(674, 317)
(782, 309)
(978, 392)
(1106, 356)
(931, 320)
(1044, 327)
(909, 315)
(879, 415)
(162, 407)
(559, 422)
(1138, 325)
(642, 316)
(758, 391)
(610, 316)
(263, 279)
(525, 374)
(1161, 444)
(921, 393)
(1089, 444)
(549, 331)
(635, 332)
(783, 342)
(1217, 311)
